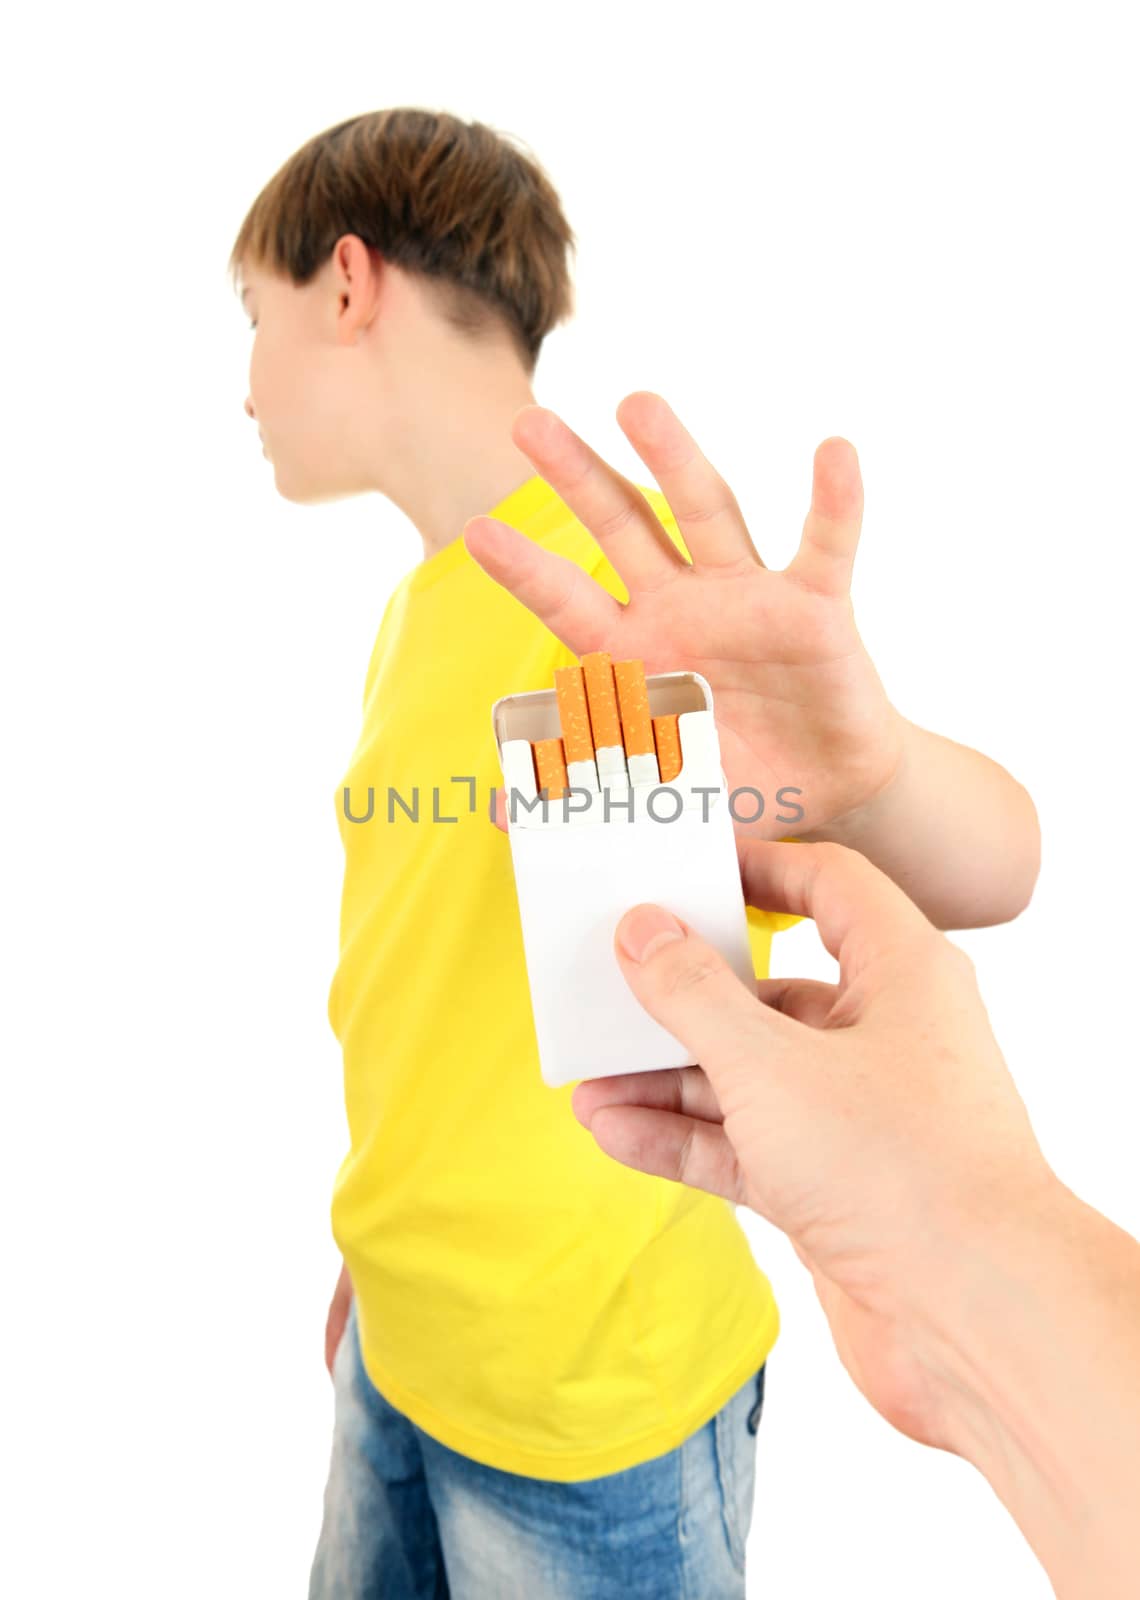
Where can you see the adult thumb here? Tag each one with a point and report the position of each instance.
(687, 986)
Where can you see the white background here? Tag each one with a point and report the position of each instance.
(909, 225)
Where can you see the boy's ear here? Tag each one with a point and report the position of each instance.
(356, 271)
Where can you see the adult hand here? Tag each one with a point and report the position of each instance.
(798, 700)
(873, 1120)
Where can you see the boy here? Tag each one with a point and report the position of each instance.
(552, 1372)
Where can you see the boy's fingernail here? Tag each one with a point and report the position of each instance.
(646, 929)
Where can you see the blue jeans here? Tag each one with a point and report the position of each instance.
(406, 1518)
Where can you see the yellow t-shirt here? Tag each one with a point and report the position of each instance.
(521, 1296)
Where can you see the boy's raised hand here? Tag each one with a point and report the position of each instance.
(798, 702)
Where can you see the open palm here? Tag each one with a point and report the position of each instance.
(799, 705)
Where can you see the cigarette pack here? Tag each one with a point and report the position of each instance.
(604, 833)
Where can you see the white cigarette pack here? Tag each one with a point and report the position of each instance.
(618, 837)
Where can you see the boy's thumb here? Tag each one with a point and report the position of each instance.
(687, 986)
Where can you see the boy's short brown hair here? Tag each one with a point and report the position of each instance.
(453, 201)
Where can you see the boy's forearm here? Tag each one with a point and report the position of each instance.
(953, 829)
(1035, 1345)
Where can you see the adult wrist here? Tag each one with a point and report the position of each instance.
(993, 1271)
(1032, 1345)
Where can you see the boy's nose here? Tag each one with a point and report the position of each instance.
(248, 406)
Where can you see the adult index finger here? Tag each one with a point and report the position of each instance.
(860, 912)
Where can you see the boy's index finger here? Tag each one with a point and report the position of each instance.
(705, 508)
(614, 510)
(576, 609)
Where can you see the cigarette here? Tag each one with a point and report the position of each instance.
(668, 741)
(551, 764)
(574, 717)
(605, 723)
(636, 723)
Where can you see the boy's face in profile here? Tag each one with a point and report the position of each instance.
(302, 378)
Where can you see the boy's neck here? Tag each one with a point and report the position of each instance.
(466, 465)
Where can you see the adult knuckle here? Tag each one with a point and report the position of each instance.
(687, 973)
(826, 856)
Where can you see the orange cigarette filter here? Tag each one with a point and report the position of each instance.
(633, 700)
(668, 740)
(573, 714)
(551, 766)
(601, 696)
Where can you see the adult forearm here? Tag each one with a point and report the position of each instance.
(1034, 1340)
(953, 829)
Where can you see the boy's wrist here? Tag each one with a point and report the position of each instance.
(860, 823)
